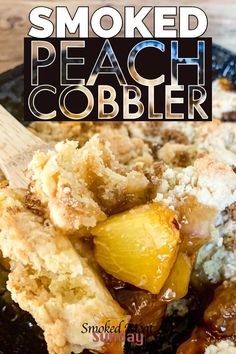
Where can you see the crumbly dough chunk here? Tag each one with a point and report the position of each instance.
(213, 183)
(221, 347)
(216, 139)
(81, 186)
(127, 150)
(51, 280)
(216, 185)
(179, 144)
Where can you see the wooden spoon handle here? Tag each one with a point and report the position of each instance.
(16, 148)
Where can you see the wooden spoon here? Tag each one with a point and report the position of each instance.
(17, 145)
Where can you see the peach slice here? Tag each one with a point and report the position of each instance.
(177, 283)
(139, 246)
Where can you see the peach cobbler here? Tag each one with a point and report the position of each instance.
(120, 223)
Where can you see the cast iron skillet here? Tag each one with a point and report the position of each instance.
(19, 334)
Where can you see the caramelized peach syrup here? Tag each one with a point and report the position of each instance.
(219, 321)
(131, 245)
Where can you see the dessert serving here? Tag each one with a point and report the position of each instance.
(122, 227)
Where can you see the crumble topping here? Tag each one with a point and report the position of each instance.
(127, 150)
(51, 279)
(221, 347)
(199, 165)
(97, 170)
(79, 187)
(213, 183)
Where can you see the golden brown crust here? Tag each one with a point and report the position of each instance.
(127, 150)
(80, 186)
(51, 280)
(108, 168)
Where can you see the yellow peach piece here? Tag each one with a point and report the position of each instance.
(177, 283)
(139, 246)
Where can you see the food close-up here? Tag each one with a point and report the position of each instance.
(118, 237)
(132, 222)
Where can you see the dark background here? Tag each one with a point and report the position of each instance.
(150, 63)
